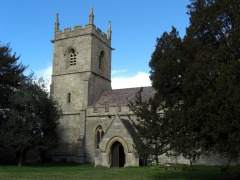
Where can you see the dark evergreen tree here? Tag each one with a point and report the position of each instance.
(28, 116)
(155, 128)
(48, 112)
(167, 66)
(210, 90)
(11, 75)
(32, 121)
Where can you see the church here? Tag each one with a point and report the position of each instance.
(94, 126)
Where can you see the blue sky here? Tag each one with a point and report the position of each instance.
(28, 26)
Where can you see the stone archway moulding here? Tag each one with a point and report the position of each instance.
(113, 140)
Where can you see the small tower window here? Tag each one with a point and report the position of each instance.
(101, 61)
(99, 135)
(69, 97)
(72, 57)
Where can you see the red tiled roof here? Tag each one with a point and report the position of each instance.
(122, 96)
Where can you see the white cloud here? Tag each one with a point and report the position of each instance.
(46, 75)
(140, 79)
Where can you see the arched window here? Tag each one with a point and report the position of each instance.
(101, 61)
(99, 135)
(72, 57)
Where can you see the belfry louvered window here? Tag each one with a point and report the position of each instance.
(72, 57)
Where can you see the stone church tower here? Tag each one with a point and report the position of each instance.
(82, 61)
(81, 72)
(94, 125)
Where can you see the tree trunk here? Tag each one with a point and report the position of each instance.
(191, 164)
(225, 168)
(175, 161)
(42, 157)
(156, 159)
(20, 157)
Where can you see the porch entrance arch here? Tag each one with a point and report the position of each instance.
(117, 155)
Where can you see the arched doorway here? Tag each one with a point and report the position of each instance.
(117, 155)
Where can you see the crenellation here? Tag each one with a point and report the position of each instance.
(77, 27)
(99, 30)
(68, 29)
(81, 31)
(119, 108)
(107, 110)
(101, 33)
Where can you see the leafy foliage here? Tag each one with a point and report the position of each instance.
(29, 116)
(155, 127)
(11, 75)
(152, 128)
(212, 79)
(167, 66)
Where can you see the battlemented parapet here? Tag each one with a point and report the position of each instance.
(89, 29)
(108, 111)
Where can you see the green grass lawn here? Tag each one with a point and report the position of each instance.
(75, 172)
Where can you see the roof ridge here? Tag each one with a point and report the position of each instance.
(122, 96)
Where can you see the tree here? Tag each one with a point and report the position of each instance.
(167, 67)
(197, 78)
(32, 121)
(11, 76)
(211, 80)
(155, 124)
(152, 128)
(29, 117)
(49, 112)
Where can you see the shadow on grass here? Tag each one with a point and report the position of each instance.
(197, 173)
(87, 171)
(54, 165)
